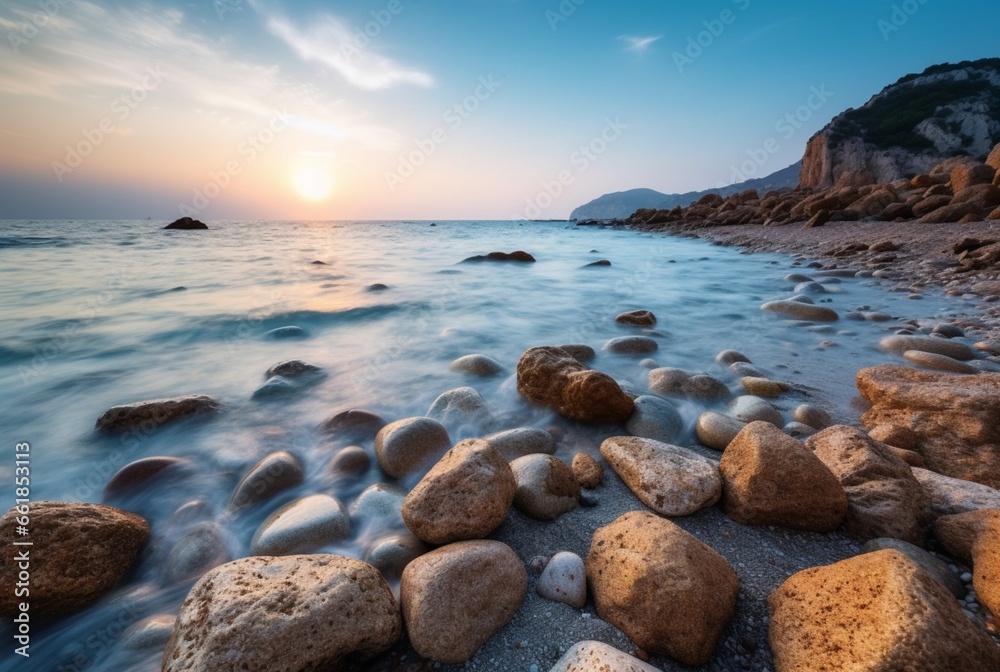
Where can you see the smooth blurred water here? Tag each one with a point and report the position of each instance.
(94, 314)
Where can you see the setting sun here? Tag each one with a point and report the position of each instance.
(312, 184)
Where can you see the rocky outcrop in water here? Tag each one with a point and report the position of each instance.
(187, 224)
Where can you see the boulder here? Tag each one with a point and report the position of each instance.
(551, 377)
(590, 656)
(411, 445)
(302, 526)
(465, 496)
(884, 499)
(564, 579)
(937, 346)
(459, 407)
(146, 416)
(957, 532)
(953, 495)
(772, 479)
(678, 383)
(276, 472)
(456, 597)
(956, 419)
(515, 443)
(753, 409)
(655, 418)
(186, 224)
(546, 487)
(587, 471)
(637, 318)
(142, 473)
(79, 553)
(353, 425)
(953, 213)
(717, 430)
(671, 480)
(800, 311)
(477, 365)
(519, 255)
(934, 566)
(631, 345)
(667, 591)
(306, 612)
(967, 175)
(986, 565)
(877, 611)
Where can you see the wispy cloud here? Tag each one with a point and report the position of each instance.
(639, 44)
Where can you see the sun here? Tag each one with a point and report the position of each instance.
(313, 184)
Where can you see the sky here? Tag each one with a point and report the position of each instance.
(413, 109)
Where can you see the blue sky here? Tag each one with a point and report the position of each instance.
(461, 109)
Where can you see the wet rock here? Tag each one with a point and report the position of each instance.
(276, 472)
(149, 634)
(655, 419)
(631, 345)
(564, 579)
(797, 430)
(353, 425)
(600, 262)
(730, 357)
(717, 430)
(519, 256)
(277, 387)
(377, 287)
(772, 479)
(411, 445)
(649, 363)
(390, 555)
(957, 533)
(546, 487)
(867, 612)
(550, 377)
(590, 656)
(477, 365)
(956, 418)
(309, 612)
(459, 407)
(938, 346)
(200, 550)
(465, 496)
(883, 497)
(455, 598)
(581, 353)
(953, 495)
(81, 552)
(351, 461)
(678, 383)
(587, 470)
(149, 415)
(763, 387)
(515, 443)
(671, 480)
(930, 360)
(810, 288)
(379, 504)
(293, 369)
(141, 473)
(935, 567)
(637, 318)
(800, 311)
(186, 224)
(302, 526)
(667, 591)
(752, 409)
(286, 333)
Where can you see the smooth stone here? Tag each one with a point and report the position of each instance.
(678, 383)
(276, 472)
(277, 387)
(938, 346)
(292, 369)
(953, 495)
(730, 357)
(477, 365)
(149, 415)
(670, 480)
(517, 256)
(763, 387)
(305, 612)
(813, 417)
(631, 345)
(551, 377)
(458, 407)
(588, 471)
(802, 298)
(581, 353)
(655, 419)
(302, 526)
(81, 552)
(379, 502)
(546, 487)
(745, 370)
(353, 424)
(201, 549)
(141, 472)
(564, 579)
(195, 511)
(515, 443)
(938, 362)
(948, 330)
(649, 363)
(933, 566)
(590, 656)
(717, 430)
(797, 279)
(800, 311)
(601, 262)
(637, 318)
(411, 445)
(390, 555)
(286, 332)
(810, 288)
(376, 287)
(350, 461)
(797, 430)
(751, 409)
(149, 634)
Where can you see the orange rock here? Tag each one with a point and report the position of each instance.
(969, 174)
(549, 376)
(986, 565)
(958, 532)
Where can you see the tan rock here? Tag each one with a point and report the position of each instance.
(984, 195)
(717, 430)
(411, 445)
(986, 564)
(679, 383)
(671, 480)
(896, 436)
(666, 590)
(812, 416)
(970, 174)
(955, 418)
(587, 470)
(883, 497)
(592, 656)
(304, 612)
(937, 346)
(957, 533)
(551, 377)
(763, 387)
(930, 360)
(456, 597)
(466, 495)
(800, 311)
(79, 553)
(953, 213)
(546, 487)
(877, 611)
(994, 159)
(953, 495)
(770, 478)
(930, 204)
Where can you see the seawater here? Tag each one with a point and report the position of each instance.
(99, 313)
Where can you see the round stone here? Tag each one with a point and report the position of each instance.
(350, 461)
(546, 487)
(302, 526)
(477, 365)
(515, 443)
(390, 555)
(717, 430)
(587, 470)
(637, 318)
(751, 409)
(655, 418)
(564, 579)
(276, 472)
(631, 345)
(407, 446)
(730, 357)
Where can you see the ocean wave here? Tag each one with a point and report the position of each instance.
(33, 241)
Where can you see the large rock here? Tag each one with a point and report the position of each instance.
(671, 480)
(590, 656)
(795, 310)
(957, 533)
(307, 612)
(353, 425)
(407, 446)
(656, 419)
(679, 383)
(186, 224)
(666, 590)
(458, 407)
(956, 419)
(986, 565)
(546, 486)
(884, 499)
(465, 496)
(456, 597)
(146, 416)
(937, 346)
(877, 611)
(515, 443)
(79, 553)
(953, 495)
(551, 377)
(770, 478)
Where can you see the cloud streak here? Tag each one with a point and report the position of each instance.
(639, 44)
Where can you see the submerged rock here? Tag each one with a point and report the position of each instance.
(141, 473)
(678, 383)
(351, 461)
(637, 318)
(551, 377)
(276, 472)
(149, 634)
(515, 443)
(200, 550)
(390, 555)
(937, 346)
(519, 255)
(302, 526)
(286, 332)
(149, 415)
(354, 425)
(752, 409)
(581, 353)
(477, 365)
(631, 345)
(656, 419)
(293, 369)
(407, 446)
(461, 406)
(187, 224)
(800, 311)
(379, 503)
(717, 430)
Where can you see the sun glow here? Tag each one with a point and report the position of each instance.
(313, 184)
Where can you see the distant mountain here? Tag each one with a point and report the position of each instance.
(911, 126)
(623, 203)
